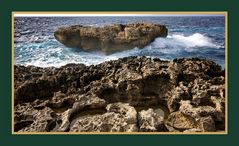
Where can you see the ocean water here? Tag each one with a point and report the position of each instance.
(188, 36)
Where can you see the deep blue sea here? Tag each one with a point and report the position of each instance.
(188, 36)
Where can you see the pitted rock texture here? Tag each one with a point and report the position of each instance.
(121, 96)
(150, 121)
(119, 118)
(110, 39)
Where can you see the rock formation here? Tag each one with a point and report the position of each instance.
(124, 95)
(110, 39)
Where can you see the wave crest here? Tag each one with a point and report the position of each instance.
(182, 41)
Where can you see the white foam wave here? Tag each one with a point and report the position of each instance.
(177, 41)
(195, 40)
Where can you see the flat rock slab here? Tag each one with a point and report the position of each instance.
(110, 39)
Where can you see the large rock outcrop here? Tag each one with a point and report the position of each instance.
(111, 38)
(125, 95)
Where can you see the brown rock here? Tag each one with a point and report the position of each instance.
(110, 39)
(179, 122)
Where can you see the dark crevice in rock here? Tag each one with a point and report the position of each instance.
(207, 103)
(137, 123)
(109, 94)
(19, 125)
(215, 71)
(55, 125)
(187, 78)
(220, 125)
(39, 107)
(62, 108)
(179, 129)
(51, 125)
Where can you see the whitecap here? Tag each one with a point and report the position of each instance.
(195, 40)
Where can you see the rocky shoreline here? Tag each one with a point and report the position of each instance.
(133, 94)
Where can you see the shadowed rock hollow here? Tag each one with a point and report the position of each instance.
(110, 39)
(125, 95)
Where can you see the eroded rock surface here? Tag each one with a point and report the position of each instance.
(150, 121)
(111, 38)
(121, 96)
(120, 117)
